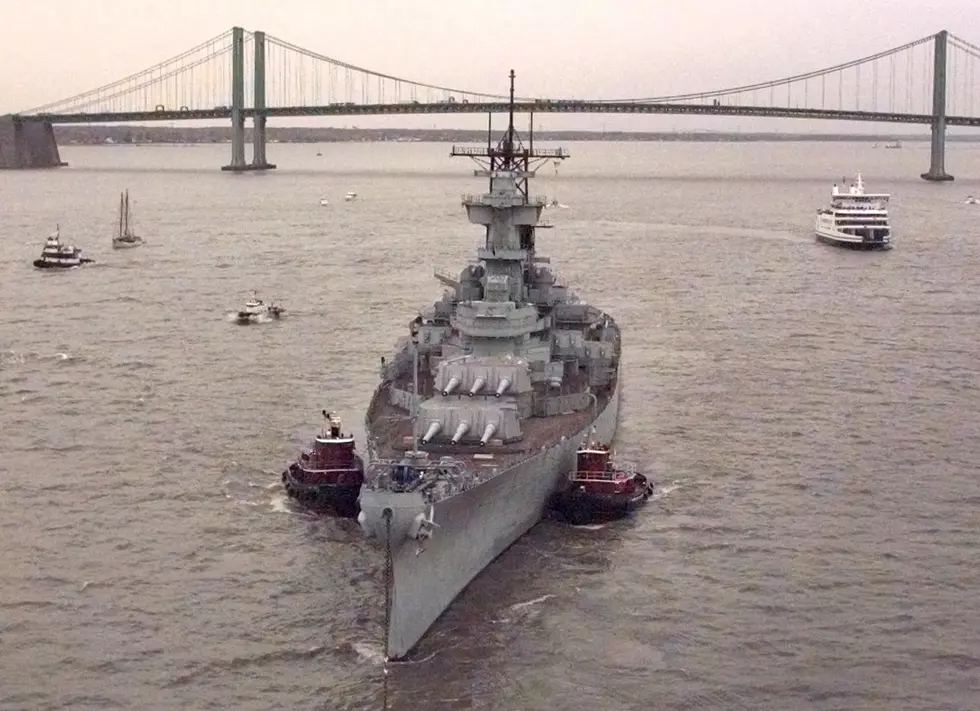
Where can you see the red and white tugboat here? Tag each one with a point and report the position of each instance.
(329, 474)
(599, 489)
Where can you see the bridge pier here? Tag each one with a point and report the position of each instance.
(937, 158)
(27, 144)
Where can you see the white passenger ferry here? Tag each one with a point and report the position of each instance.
(855, 219)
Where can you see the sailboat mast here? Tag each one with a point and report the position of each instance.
(120, 215)
(127, 212)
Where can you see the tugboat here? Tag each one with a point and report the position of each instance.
(255, 309)
(56, 255)
(480, 411)
(600, 489)
(855, 219)
(125, 237)
(329, 474)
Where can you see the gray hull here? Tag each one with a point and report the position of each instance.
(473, 528)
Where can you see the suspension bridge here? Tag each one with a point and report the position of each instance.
(928, 81)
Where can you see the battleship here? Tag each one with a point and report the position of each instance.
(481, 409)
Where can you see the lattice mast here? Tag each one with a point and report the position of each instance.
(510, 154)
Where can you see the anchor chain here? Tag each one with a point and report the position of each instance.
(389, 575)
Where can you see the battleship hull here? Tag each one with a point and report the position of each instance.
(472, 529)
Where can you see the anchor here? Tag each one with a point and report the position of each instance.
(422, 528)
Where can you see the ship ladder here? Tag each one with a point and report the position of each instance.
(389, 575)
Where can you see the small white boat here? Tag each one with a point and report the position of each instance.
(855, 219)
(255, 309)
(125, 237)
(56, 255)
(324, 202)
(970, 200)
(351, 195)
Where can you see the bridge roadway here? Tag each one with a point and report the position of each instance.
(540, 106)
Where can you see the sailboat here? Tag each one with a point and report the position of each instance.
(125, 237)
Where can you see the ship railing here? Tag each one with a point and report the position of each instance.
(335, 470)
(444, 469)
(497, 200)
(616, 470)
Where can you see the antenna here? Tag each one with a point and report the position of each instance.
(510, 154)
(415, 384)
(509, 147)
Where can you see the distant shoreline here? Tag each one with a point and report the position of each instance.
(150, 135)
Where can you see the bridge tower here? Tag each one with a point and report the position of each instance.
(259, 161)
(258, 118)
(237, 101)
(937, 160)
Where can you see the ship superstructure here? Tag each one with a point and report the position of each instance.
(483, 406)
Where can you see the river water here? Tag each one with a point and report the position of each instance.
(810, 414)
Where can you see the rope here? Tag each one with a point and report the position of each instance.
(389, 575)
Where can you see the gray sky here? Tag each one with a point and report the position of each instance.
(609, 49)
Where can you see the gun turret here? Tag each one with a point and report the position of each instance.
(502, 387)
(433, 430)
(477, 386)
(460, 432)
(451, 385)
(488, 432)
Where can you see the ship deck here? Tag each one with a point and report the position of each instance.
(390, 426)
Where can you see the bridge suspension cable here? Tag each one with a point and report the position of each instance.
(377, 93)
(197, 83)
(747, 88)
(134, 83)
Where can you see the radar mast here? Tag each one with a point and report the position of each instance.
(510, 154)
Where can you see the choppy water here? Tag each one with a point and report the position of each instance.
(811, 415)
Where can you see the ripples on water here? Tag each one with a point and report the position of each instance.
(811, 415)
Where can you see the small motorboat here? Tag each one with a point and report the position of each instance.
(600, 489)
(56, 255)
(255, 309)
(324, 202)
(351, 195)
(970, 200)
(328, 475)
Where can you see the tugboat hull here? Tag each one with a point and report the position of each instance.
(46, 264)
(580, 506)
(339, 496)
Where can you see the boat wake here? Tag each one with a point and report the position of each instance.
(522, 612)
(232, 317)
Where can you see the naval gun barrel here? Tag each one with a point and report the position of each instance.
(477, 386)
(488, 432)
(463, 428)
(451, 385)
(502, 387)
(433, 430)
